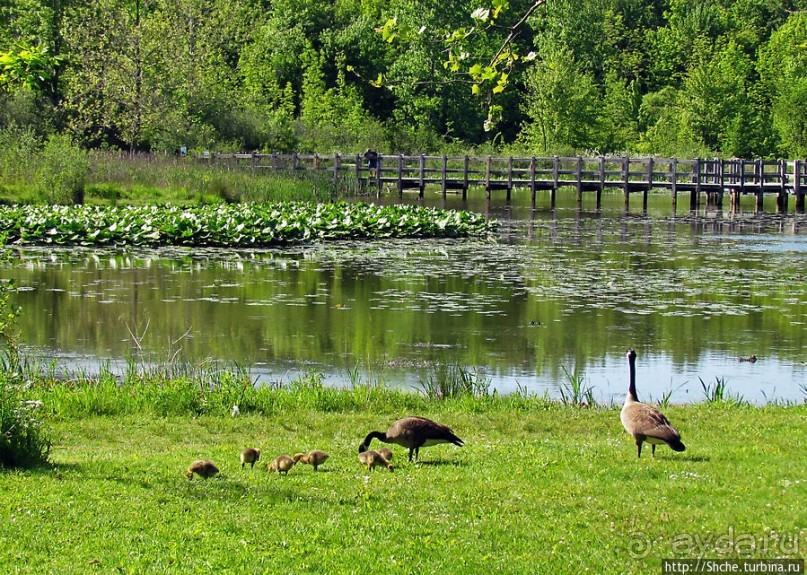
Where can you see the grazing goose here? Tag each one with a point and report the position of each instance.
(282, 464)
(250, 455)
(645, 422)
(203, 469)
(413, 433)
(373, 458)
(315, 458)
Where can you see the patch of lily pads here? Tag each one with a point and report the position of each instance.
(232, 225)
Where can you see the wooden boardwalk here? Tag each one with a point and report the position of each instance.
(712, 179)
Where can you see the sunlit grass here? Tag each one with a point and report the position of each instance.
(143, 179)
(548, 489)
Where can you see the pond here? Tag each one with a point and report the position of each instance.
(557, 293)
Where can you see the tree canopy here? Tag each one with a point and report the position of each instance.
(670, 77)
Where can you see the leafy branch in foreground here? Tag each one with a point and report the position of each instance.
(483, 55)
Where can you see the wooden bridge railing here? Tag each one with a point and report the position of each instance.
(698, 177)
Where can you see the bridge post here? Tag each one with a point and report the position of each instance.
(445, 175)
(465, 180)
(532, 181)
(721, 180)
(358, 168)
(735, 192)
(400, 175)
(649, 184)
(509, 178)
(760, 166)
(578, 174)
(798, 190)
(422, 183)
(626, 180)
(487, 176)
(379, 180)
(674, 183)
(695, 196)
(781, 200)
(555, 181)
(602, 182)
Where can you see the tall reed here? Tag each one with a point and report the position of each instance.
(574, 392)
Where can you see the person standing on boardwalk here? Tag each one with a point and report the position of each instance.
(372, 161)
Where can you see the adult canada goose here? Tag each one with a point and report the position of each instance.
(413, 433)
(282, 464)
(645, 422)
(250, 455)
(372, 459)
(203, 469)
(315, 458)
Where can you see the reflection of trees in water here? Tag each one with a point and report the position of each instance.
(679, 289)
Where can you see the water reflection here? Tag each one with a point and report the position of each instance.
(557, 290)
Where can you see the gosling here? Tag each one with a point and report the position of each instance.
(315, 458)
(385, 452)
(250, 455)
(204, 469)
(373, 458)
(282, 464)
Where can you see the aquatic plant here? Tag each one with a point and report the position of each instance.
(718, 392)
(453, 380)
(574, 392)
(241, 225)
(664, 401)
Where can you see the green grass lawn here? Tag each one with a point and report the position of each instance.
(553, 490)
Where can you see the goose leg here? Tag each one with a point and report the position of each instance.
(639, 444)
(653, 450)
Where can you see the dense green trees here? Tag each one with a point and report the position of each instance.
(671, 77)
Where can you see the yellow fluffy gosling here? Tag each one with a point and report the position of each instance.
(385, 452)
(373, 458)
(203, 469)
(282, 464)
(250, 455)
(315, 458)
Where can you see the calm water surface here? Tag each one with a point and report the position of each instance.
(554, 292)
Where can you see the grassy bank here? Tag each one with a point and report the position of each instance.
(538, 488)
(108, 179)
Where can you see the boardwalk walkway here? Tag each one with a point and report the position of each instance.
(711, 179)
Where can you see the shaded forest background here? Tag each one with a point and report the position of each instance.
(679, 78)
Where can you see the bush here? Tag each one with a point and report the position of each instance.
(63, 171)
(18, 152)
(23, 440)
